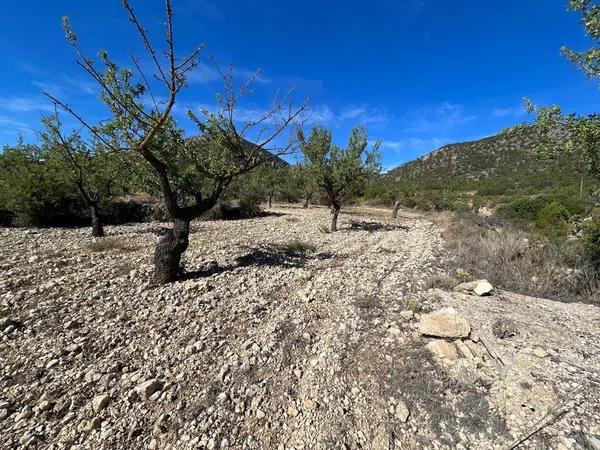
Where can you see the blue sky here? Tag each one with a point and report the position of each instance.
(417, 73)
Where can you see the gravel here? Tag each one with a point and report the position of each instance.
(264, 348)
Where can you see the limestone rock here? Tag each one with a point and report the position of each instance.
(479, 287)
(443, 349)
(402, 412)
(445, 323)
(146, 389)
(100, 402)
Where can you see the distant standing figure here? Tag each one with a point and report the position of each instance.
(396, 208)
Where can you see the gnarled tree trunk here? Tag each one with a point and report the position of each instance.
(270, 199)
(306, 200)
(396, 208)
(168, 251)
(334, 216)
(97, 227)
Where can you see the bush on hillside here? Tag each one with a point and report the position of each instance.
(553, 220)
(590, 240)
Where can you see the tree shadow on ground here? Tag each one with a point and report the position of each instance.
(263, 256)
(370, 226)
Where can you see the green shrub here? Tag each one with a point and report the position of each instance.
(522, 209)
(299, 247)
(590, 240)
(553, 220)
(459, 207)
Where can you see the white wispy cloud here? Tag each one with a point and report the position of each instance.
(30, 69)
(320, 115)
(257, 74)
(414, 144)
(8, 123)
(24, 104)
(206, 73)
(11, 129)
(203, 73)
(444, 116)
(303, 84)
(508, 112)
(67, 86)
(363, 114)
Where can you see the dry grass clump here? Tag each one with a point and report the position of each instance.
(323, 228)
(517, 261)
(413, 304)
(442, 281)
(299, 247)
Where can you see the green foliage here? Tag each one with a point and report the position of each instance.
(590, 240)
(339, 172)
(553, 220)
(39, 188)
(34, 190)
(588, 61)
(527, 209)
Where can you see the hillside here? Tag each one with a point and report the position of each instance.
(508, 157)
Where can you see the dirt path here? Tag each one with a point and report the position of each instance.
(282, 337)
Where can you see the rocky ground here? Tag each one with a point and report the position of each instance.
(283, 337)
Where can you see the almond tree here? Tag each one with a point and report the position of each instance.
(587, 60)
(96, 173)
(192, 174)
(339, 172)
(584, 131)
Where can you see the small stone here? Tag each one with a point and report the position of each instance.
(310, 405)
(25, 414)
(147, 388)
(7, 324)
(100, 402)
(402, 411)
(52, 363)
(46, 405)
(479, 287)
(259, 414)
(94, 424)
(292, 411)
(483, 287)
(27, 439)
(407, 315)
(464, 351)
(593, 441)
(306, 336)
(540, 352)
(443, 349)
(72, 325)
(62, 406)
